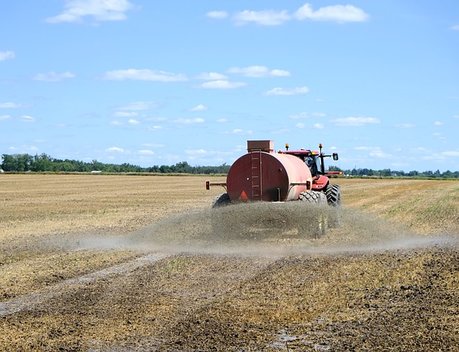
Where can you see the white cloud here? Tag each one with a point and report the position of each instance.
(319, 114)
(156, 119)
(27, 118)
(99, 10)
(375, 152)
(264, 18)
(144, 75)
(7, 55)
(318, 125)
(240, 131)
(153, 145)
(115, 150)
(222, 84)
(356, 121)
(9, 105)
(438, 123)
(133, 122)
(154, 128)
(126, 114)
(196, 152)
(335, 13)
(439, 135)
(456, 117)
(137, 106)
(116, 123)
(217, 14)
(53, 76)
(186, 121)
(421, 149)
(211, 76)
(405, 125)
(455, 27)
(259, 71)
(288, 91)
(222, 120)
(146, 152)
(32, 148)
(300, 116)
(199, 107)
(307, 115)
(450, 153)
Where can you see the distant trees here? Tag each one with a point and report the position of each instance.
(17, 162)
(45, 163)
(364, 172)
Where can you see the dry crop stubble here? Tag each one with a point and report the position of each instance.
(44, 217)
(359, 287)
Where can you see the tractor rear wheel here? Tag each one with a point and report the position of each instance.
(318, 225)
(333, 194)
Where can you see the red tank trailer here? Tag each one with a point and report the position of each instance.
(266, 175)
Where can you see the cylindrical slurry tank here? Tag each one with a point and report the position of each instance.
(267, 176)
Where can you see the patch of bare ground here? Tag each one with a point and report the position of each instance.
(392, 301)
(126, 311)
(72, 252)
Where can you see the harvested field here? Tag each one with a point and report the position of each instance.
(116, 263)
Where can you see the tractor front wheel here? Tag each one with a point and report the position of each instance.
(313, 197)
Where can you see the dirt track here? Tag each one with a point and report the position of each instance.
(388, 278)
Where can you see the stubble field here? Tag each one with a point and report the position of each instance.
(121, 263)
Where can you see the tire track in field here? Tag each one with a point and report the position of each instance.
(197, 301)
(31, 300)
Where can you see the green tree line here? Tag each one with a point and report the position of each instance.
(45, 163)
(365, 172)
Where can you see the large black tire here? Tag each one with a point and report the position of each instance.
(221, 201)
(319, 225)
(313, 197)
(333, 194)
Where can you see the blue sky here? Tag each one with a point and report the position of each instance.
(159, 82)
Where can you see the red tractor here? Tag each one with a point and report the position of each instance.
(266, 175)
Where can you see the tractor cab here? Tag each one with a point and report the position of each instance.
(309, 158)
(315, 162)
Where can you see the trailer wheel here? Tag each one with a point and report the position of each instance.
(222, 200)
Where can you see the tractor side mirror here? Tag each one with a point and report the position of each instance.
(335, 156)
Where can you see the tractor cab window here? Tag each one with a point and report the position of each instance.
(311, 163)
